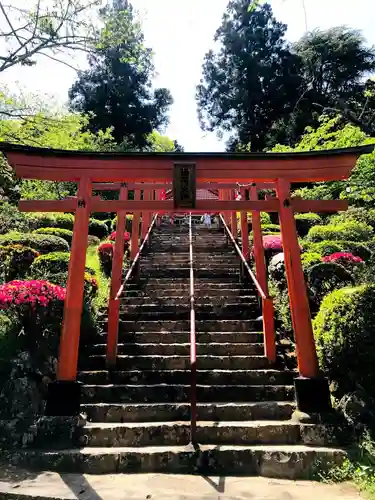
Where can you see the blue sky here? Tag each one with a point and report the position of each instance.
(180, 33)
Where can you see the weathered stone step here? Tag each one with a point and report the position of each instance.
(181, 310)
(158, 393)
(181, 248)
(200, 283)
(209, 377)
(98, 362)
(155, 300)
(178, 433)
(183, 337)
(214, 349)
(183, 272)
(166, 326)
(277, 461)
(163, 412)
(208, 292)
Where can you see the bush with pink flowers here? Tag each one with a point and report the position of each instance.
(105, 253)
(112, 236)
(343, 258)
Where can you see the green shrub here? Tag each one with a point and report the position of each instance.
(15, 261)
(344, 333)
(356, 214)
(90, 284)
(11, 219)
(103, 216)
(42, 243)
(41, 220)
(324, 278)
(304, 222)
(129, 223)
(93, 241)
(56, 231)
(346, 231)
(271, 228)
(324, 248)
(98, 228)
(265, 218)
(358, 249)
(310, 259)
(47, 266)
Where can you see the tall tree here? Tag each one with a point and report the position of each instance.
(117, 88)
(47, 28)
(337, 66)
(252, 81)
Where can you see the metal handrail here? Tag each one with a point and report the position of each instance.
(193, 346)
(262, 293)
(136, 259)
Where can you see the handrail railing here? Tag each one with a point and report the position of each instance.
(267, 301)
(193, 346)
(262, 293)
(136, 259)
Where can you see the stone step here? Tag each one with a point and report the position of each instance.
(182, 337)
(178, 433)
(209, 377)
(198, 249)
(200, 283)
(183, 290)
(215, 349)
(154, 362)
(163, 412)
(158, 393)
(153, 299)
(276, 461)
(183, 272)
(167, 326)
(181, 310)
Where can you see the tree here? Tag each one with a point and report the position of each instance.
(116, 89)
(162, 144)
(253, 80)
(336, 69)
(47, 28)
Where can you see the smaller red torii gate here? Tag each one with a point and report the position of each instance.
(185, 171)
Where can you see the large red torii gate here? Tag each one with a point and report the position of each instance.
(185, 171)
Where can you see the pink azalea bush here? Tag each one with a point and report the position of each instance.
(30, 293)
(343, 258)
(105, 252)
(272, 243)
(112, 236)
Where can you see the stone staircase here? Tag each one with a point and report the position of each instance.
(138, 417)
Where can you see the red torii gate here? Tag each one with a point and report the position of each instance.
(184, 170)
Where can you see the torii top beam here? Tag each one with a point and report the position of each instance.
(60, 165)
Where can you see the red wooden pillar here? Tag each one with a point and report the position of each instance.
(244, 229)
(135, 227)
(305, 344)
(146, 216)
(116, 277)
(233, 224)
(261, 274)
(64, 394)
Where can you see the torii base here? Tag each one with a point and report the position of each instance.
(63, 399)
(312, 395)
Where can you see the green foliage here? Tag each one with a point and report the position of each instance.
(310, 259)
(92, 262)
(98, 228)
(265, 218)
(252, 81)
(352, 231)
(117, 89)
(129, 223)
(93, 241)
(41, 242)
(326, 247)
(11, 219)
(56, 220)
(15, 261)
(304, 222)
(47, 266)
(56, 231)
(356, 214)
(271, 228)
(344, 334)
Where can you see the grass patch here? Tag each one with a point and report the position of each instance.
(358, 468)
(92, 260)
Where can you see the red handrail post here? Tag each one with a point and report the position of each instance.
(116, 278)
(193, 346)
(261, 273)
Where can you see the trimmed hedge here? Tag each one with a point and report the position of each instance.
(57, 220)
(93, 241)
(47, 266)
(346, 231)
(326, 248)
(356, 214)
(304, 222)
(310, 259)
(344, 333)
(56, 231)
(271, 228)
(98, 228)
(42, 243)
(15, 261)
(129, 223)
